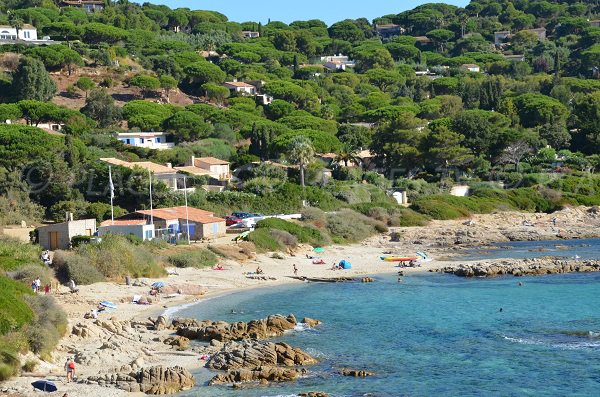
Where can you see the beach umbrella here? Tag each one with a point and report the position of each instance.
(108, 305)
(159, 284)
(44, 385)
(319, 250)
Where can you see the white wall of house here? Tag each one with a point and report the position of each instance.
(27, 33)
(145, 232)
(150, 140)
(59, 235)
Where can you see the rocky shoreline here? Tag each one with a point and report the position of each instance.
(521, 267)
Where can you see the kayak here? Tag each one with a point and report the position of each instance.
(399, 258)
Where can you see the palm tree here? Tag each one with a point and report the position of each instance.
(347, 154)
(301, 152)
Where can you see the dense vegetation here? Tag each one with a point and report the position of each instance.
(523, 132)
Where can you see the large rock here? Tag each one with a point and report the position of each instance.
(156, 380)
(269, 327)
(522, 267)
(260, 374)
(255, 355)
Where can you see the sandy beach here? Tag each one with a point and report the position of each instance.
(119, 339)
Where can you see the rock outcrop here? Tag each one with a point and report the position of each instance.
(256, 354)
(206, 330)
(357, 373)
(261, 374)
(154, 380)
(522, 267)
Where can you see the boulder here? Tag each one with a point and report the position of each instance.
(357, 373)
(158, 380)
(179, 342)
(260, 374)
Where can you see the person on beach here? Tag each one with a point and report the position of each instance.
(38, 284)
(70, 367)
(33, 287)
(554, 221)
(295, 270)
(259, 270)
(47, 289)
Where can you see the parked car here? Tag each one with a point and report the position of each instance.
(244, 215)
(232, 220)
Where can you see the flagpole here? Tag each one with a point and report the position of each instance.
(187, 215)
(112, 195)
(151, 213)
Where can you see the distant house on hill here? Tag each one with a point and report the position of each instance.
(216, 169)
(595, 23)
(423, 40)
(515, 58)
(87, 5)
(250, 34)
(470, 67)
(150, 140)
(540, 32)
(501, 37)
(240, 87)
(165, 173)
(388, 30)
(26, 32)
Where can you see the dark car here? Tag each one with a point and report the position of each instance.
(232, 220)
(243, 215)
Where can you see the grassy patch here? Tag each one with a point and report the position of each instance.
(197, 258)
(14, 312)
(304, 234)
(14, 254)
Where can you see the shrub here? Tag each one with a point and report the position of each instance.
(313, 214)
(9, 363)
(71, 266)
(49, 324)
(28, 273)
(197, 258)
(285, 238)
(347, 226)
(30, 365)
(409, 217)
(437, 208)
(14, 312)
(14, 254)
(304, 234)
(76, 241)
(264, 241)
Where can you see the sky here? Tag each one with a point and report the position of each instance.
(293, 10)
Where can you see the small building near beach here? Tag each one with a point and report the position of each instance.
(173, 223)
(137, 227)
(59, 235)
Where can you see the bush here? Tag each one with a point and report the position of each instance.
(14, 254)
(28, 273)
(14, 312)
(285, 238)
(304, 234)
(347, 226)
(9, 363)
(71, 266)
(313, 214)
(197, 258)
(76, 241)
(49, 324)
(115, 257)
(264, 241)
(30, 365)
(409, 217)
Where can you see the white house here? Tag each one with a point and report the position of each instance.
(138, 227)
(335, 66)
(165, 173)
(87, 5)
(59, 235)
(26, 33)
(250, 35)
(241, 87)
(212, 167)
(470, 67)
(501, 37)
(150, 140)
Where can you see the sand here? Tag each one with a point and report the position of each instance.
(440, 240)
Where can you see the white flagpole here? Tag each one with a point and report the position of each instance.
(151, 213)
(187, 215)
(112, 195)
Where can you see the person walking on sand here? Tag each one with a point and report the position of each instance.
(38, 284)
(70, 367)
(295, 270)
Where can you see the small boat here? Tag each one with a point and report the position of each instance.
(398, 258)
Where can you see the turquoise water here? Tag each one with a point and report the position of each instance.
(433, 335)
(584, 248)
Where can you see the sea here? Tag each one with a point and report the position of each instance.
(434, 334)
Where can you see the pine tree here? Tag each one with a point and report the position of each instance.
(31, 81)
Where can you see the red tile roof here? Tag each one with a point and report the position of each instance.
(123, 222)
(193, 214)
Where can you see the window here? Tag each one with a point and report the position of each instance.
(26, 34)
(157, 140)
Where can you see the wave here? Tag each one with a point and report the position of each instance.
(593, 345)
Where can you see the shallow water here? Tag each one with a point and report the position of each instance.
(584, 248)
(433, 335)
